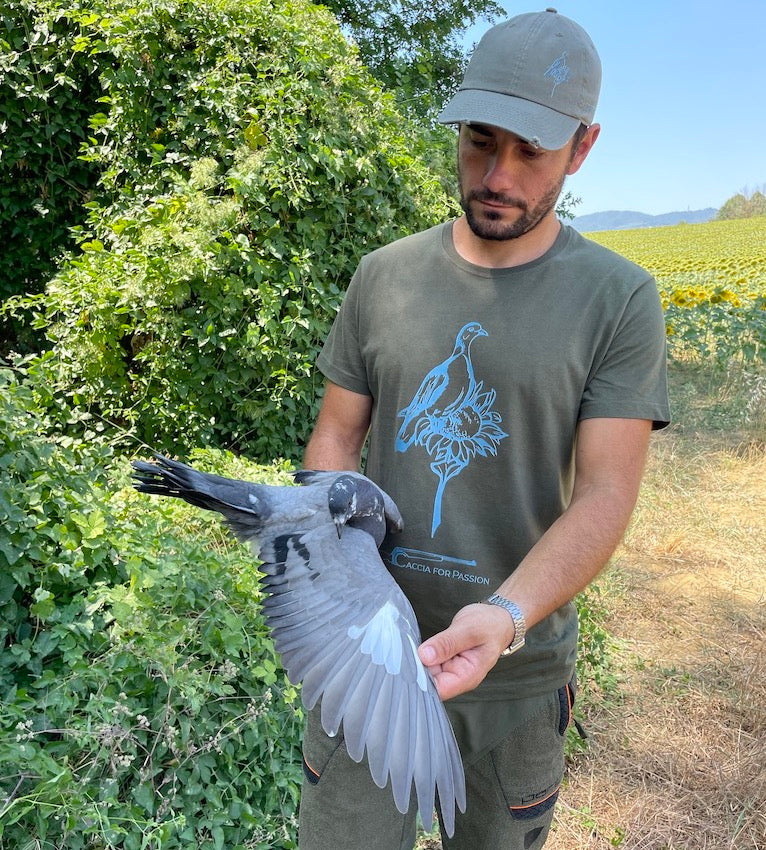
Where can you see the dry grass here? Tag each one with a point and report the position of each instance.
(677, 758)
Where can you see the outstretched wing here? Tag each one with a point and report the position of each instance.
(346, 631)
(343, 627)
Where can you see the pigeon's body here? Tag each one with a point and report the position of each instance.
(341, 624)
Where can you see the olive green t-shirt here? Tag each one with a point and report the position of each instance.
(479, 378)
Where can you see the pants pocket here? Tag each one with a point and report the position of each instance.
(318, 747)
(566, 704)
(512, 789)
(530, 765)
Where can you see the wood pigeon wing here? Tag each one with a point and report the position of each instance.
(345, 630)
(343, 627)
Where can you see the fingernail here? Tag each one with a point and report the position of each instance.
(427, 654)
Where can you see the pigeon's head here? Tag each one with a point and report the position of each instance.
(469, 332)
(356, 501)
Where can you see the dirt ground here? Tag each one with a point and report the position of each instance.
(677, 758)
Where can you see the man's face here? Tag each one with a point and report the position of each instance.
(508, 186)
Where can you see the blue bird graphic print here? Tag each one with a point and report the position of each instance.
(451, 416)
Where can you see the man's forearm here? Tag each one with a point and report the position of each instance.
(565, 560)
(340, 431)
(324, 451)
(610, 459)
(570, 554)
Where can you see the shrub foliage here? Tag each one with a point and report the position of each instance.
(743, 205)
(414, 47)
(141, 703)
(49, 87)
(246, 162)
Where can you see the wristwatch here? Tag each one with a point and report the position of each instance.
(519, 623)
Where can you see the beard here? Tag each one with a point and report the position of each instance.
(488, 224)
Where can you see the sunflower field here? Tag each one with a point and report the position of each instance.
(712, 280)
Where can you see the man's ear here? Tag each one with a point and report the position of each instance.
(583, 148)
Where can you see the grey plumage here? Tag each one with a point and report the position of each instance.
(341, 624)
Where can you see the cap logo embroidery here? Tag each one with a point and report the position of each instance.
(559, 72)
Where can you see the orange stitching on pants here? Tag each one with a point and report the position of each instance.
(538, 803)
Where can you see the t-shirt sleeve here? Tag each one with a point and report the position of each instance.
(630, 380)
(340, 359)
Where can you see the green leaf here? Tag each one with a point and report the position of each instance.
(145, 796)
(44, 604)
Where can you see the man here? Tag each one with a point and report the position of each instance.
(509, 373)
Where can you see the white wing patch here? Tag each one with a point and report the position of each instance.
(422, 682)
(381, 639)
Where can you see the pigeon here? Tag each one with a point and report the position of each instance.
(342, 626)
(444, 388)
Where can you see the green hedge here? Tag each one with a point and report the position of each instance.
(247, 160)
(141, 703)
(49, 87)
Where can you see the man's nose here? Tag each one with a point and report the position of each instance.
(500, 175)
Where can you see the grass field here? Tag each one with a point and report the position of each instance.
(676, 757)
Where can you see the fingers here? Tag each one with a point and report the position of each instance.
(460, 657)
(461, 676)
(474, 626)
(446, 645)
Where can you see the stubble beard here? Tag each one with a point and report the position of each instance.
(490, 225)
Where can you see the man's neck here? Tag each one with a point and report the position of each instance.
(505, 253)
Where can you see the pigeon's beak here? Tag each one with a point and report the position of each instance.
(339, 526)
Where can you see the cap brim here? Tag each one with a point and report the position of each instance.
(538, 124)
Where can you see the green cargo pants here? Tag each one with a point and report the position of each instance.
(511, 790)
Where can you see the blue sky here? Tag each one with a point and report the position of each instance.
(683, 102)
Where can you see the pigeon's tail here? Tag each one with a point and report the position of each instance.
(405, 436)
(238, 501)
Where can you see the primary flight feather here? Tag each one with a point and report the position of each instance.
(341, 624)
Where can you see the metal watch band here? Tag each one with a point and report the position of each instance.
(519, 623)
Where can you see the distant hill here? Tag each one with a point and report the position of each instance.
(627, 219)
